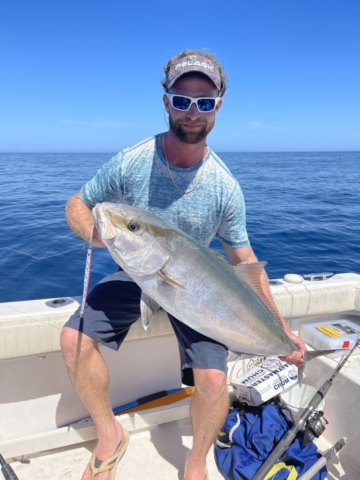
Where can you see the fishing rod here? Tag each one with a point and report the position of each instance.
(289, 436)
(87, 274)
(308, 475)
(7, 470)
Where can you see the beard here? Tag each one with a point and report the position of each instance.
(190, 137)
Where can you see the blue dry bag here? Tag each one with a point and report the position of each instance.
(249, 436)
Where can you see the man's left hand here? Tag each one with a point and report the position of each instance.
(296, 358)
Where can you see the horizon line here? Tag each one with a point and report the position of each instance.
(216, 151)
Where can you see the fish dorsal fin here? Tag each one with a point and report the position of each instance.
(250, 274)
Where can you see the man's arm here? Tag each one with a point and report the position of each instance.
(246, 254)
(78, 216)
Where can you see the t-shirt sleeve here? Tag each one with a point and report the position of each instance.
(232, 230)
(106, 185)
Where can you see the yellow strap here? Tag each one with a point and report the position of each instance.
(160, 402)
(292, 471)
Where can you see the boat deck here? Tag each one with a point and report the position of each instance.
(157, 453)
(159, 450)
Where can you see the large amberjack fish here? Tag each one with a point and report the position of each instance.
(192, 283)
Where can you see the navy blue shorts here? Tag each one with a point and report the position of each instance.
(114, 305)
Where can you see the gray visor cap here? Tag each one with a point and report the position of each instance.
(194, 63)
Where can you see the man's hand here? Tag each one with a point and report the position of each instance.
(296, 358)
(79, 218)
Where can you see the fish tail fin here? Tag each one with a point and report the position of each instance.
(313, 354)
(319, 353)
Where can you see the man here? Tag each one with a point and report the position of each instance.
(176, 176)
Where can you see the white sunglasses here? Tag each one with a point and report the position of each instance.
(183, 103)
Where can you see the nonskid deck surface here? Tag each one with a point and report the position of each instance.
(155, 454)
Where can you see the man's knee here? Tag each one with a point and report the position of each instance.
(75, 345)
(210, 380)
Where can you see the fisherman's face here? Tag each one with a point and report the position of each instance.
(192, 126)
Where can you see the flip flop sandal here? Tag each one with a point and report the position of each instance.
(109, 464)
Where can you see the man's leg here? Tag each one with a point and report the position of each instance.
(90, 377)
(204, 364)
(112, 306)
(208, 409)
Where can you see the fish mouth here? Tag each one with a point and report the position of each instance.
(103, 223)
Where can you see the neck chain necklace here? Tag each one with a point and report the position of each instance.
(186, 192)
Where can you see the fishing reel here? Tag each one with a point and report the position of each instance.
(315, 426)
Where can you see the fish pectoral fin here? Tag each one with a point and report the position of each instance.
(168, 280)
(301, 369)
(148, 308)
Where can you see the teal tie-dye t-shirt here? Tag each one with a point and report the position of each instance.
(139, 176)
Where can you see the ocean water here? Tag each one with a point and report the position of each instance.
(303, 216)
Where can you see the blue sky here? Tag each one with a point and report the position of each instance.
(84, 76)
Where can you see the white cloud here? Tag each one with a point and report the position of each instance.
(256, 124)
(108, 123)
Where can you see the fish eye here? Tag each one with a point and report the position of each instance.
(133, 226)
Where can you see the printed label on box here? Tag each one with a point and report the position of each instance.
(336, 330)
(265, 381)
